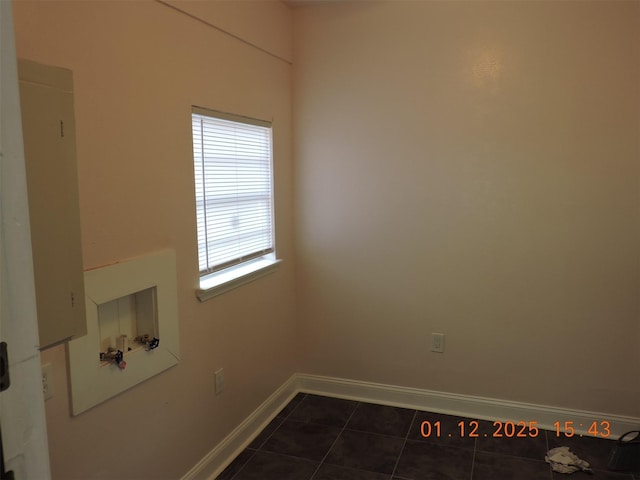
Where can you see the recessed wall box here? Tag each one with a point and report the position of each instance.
(132, 328)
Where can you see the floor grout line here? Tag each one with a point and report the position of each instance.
(406, 437)
(546, 441)
(334, 442)
(473, 457)
(244, 464)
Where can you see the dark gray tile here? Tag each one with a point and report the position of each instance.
(293, 403)
(505, 440)
(334, 472)
(366, 451)
(488, 466)
(324, 410)
(593, 450)
(266, 432)
(431, 461)
(265, 465)
(307, 440)
(382, 419)
(600, 475)
(597, 475)
(443, 429)
(235, 466)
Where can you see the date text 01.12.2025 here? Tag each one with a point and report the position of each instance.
(513, 429)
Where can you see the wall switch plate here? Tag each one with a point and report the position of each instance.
(437, 342)
(47, 381)
(219, 374)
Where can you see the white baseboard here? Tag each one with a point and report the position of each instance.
(213, 463)
(480, 408)
(417, 399)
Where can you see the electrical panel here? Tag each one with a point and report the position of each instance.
(48, 129)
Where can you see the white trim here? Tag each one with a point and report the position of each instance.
(213, 463)
(220, 282)
(414, 398)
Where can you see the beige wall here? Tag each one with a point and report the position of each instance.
(465, 168)
(471, 168)
(138, 67)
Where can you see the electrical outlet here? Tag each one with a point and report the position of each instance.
(437, 342)
(219, 375)
(47, 381)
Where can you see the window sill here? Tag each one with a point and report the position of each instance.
(220, 282)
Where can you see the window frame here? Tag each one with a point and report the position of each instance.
(224, 278)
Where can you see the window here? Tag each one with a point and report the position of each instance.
(234, 199)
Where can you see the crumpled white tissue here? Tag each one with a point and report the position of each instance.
(563, 460)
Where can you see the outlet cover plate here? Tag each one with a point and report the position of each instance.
(437, 342)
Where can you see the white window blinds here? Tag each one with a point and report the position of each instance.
(233, 185)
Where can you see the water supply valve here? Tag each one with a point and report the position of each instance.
(151, 343)
(114, 356)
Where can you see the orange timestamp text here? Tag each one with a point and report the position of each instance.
(514, 429)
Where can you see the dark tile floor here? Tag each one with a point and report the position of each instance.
(322, 438)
